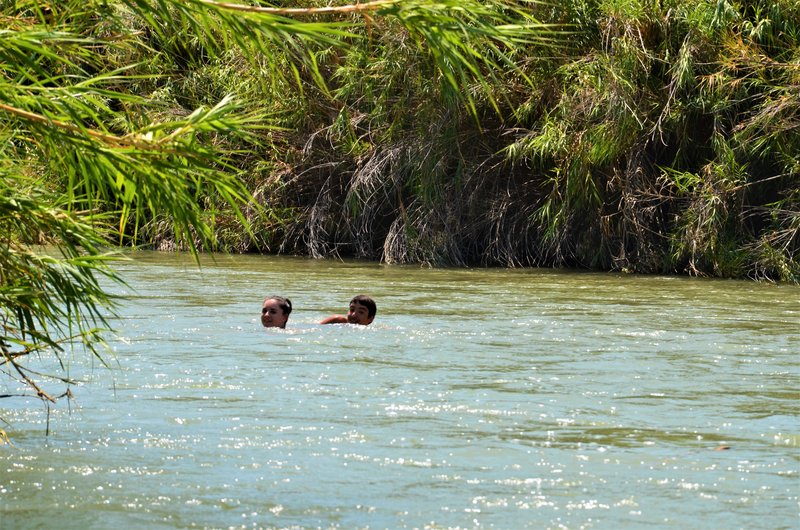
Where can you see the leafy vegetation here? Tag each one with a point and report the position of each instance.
(641, 136)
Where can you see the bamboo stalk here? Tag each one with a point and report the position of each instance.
(38, 118)
(300, 11)
(137, 141)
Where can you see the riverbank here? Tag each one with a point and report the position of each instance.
(647, 138)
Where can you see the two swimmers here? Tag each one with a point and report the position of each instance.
(276, 310)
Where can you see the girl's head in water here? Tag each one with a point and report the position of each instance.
(275, 312)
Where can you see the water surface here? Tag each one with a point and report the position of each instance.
(478, 399)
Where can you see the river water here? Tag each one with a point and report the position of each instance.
(500, 399)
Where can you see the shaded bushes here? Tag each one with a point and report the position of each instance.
(637, 135)
(663, 140)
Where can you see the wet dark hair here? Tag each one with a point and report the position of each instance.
(367, 302)
(284, 303)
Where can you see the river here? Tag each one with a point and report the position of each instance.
(478, 398)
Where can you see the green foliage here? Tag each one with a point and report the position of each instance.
(564, 166)
(87, 163)
(49, 296)
(705, 234)
(471, 42)
(704, 90)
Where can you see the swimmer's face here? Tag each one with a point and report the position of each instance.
(272, 316)
(359, 314)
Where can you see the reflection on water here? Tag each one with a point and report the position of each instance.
(477, 399)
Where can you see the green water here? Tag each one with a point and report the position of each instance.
(477, 399)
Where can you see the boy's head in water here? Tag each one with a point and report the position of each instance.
(362, 311)
(275, 312)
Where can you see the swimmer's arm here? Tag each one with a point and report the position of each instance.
(335, 319)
